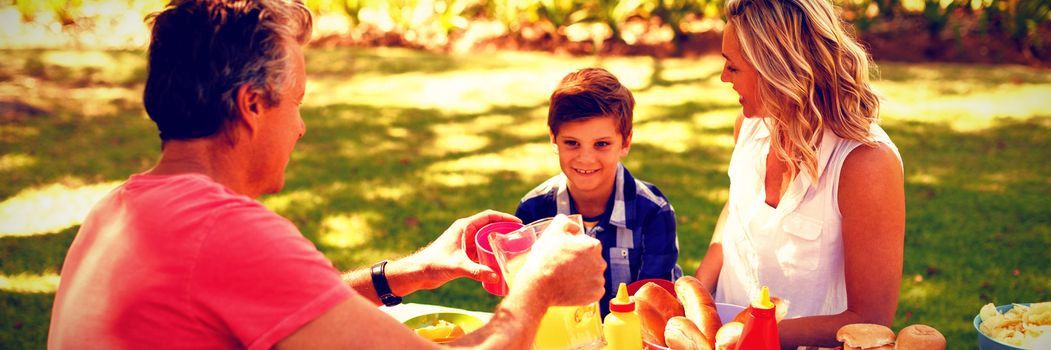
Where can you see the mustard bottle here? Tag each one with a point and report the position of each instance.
(621, 326)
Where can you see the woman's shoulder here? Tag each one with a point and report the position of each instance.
(876, 153)
(879, 159)
(870, 170)
(881, 154)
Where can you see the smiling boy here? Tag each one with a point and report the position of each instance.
(590, 120)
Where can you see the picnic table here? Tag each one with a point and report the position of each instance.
(406, 311)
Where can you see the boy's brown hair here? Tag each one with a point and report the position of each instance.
(589, 93)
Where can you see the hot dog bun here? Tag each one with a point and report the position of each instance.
(728, 335)
(683, 334)
(699, 307)
(655, 306)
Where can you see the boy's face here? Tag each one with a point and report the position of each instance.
(588, 152)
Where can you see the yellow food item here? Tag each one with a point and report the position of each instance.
(1040, 314)
(728, 335)
(988, 311)
(441, 331)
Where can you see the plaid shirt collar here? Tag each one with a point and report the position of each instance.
(621, 205)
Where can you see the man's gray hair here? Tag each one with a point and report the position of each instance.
(202, 51)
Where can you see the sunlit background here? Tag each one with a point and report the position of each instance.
(401, 142)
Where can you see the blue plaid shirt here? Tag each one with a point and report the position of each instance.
(637, 229)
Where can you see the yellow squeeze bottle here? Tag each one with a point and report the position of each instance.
(622, 327)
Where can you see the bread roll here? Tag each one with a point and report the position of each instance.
(699, 306)
(655, 306)
(920, 337)
(728, 335)
(865, 336)
(683, 334)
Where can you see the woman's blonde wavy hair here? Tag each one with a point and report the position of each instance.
(813, 75)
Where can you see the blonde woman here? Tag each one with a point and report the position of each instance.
(816, 209)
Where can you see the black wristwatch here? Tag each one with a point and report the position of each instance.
(379, 282)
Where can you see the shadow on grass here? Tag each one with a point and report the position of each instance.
(981, 75)
(24, 320)
(386, 61)
(657, 77)
(76, 68)
(391, 61)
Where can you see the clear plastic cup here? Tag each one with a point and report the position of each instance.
(486, 256)
(562, 327)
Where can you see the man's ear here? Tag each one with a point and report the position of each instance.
(554, 146)
(627, 145)
(249, 108)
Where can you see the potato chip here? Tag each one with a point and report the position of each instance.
(1016, 312)
(989, 310)
(994, 323)
(1040, 313)
(1012, 337)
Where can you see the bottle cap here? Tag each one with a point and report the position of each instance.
(763, 302)
(623, 302)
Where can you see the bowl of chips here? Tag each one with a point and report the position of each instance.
(1019, 326)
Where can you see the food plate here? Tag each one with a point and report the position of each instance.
(467, 323)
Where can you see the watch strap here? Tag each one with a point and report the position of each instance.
(382, 287)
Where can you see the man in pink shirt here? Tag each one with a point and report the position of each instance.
(182, 256)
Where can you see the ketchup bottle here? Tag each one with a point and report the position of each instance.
(760, 329)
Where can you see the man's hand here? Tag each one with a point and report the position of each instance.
(449, 257)
(564, 267)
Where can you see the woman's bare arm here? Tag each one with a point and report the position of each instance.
(872, 202)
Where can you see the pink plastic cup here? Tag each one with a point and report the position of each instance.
(486, 256)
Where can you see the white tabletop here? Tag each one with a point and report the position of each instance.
(403, 312)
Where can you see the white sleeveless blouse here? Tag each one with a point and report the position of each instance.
(795, 249)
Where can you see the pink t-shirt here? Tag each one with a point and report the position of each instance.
(181, 262)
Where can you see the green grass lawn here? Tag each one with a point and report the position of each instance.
(400, 143)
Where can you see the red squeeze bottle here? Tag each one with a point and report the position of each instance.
(760, 329)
